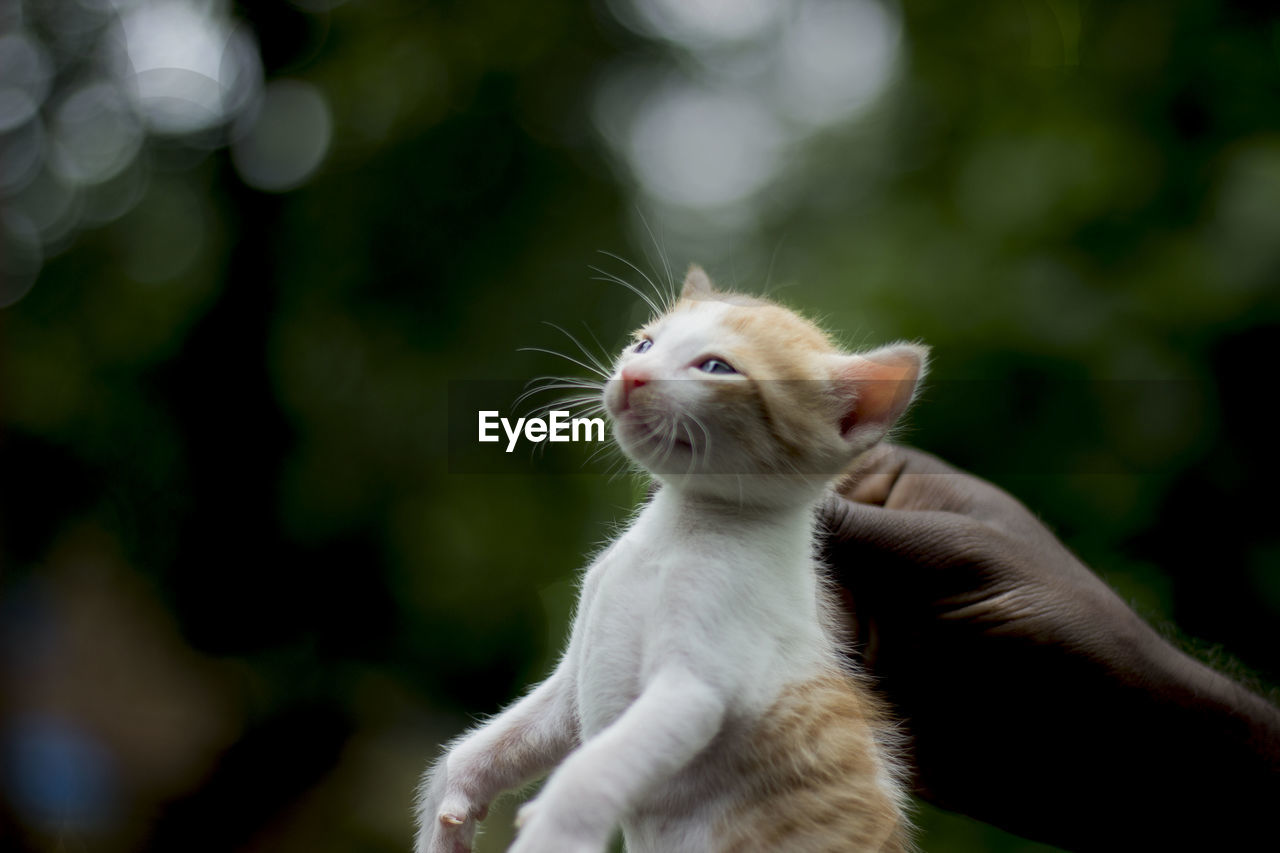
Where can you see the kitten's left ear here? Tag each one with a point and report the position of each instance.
(697, 285)
(875, 388)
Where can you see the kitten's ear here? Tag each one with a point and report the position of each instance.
(696, 284)
(876, 387)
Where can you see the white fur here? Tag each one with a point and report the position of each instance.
(697, 616)
(688, 627)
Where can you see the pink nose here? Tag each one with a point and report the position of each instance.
(631, 380)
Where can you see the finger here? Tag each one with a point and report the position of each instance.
(930, 538)
(904, 478)
(898, 477)
(871, 478)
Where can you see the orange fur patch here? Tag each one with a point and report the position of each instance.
(813, 779)
(783, 352)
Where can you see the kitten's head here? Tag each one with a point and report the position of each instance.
(741, 398)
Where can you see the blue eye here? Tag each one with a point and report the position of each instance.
(715, 365)
(644, 345)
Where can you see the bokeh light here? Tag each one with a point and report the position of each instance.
(57, 773)
(89, 89)
(708, 135)
(21, 155)
(52, 206)
(701, 148)
(95, 134)
(700, 23)
(188, 66)
(25, 75)
(287, 139)
(836, 58)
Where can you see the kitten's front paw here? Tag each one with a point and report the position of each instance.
(540, 834)
(450, 826)
(450, 832)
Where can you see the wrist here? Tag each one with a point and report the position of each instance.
(1194, 684)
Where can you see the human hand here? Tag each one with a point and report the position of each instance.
(1033, 697)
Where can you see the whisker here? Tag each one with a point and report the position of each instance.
(582, 380)
(621, 465)
(693, 450)
(591, 393)
(657, 291)
(603, 349)
(603, 370)
(610, 277)
(564, 404)
(602, 374)
(583, 414)
(557, 386)
(670, 444)
(705, 433)
(662, 256)
(601, 450)
(768, 278)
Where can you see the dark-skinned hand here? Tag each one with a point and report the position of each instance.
(1031, 695)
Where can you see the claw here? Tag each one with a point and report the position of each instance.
(451, 819)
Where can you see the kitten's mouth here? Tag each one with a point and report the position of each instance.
(660, 434)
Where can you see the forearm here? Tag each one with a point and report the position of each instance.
(1232, 736)
(522, 743)
(675, 717)
(1149, 750)
(1161, 753)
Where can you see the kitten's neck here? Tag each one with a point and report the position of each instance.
(690, 509)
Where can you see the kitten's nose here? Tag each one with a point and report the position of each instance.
(631, 380)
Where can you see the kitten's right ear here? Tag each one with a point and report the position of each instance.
(697, 285)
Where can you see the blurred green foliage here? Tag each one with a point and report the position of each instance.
(231, 404)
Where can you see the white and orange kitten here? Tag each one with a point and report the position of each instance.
(704, 703)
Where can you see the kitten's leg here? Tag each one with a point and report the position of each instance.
(522, 743)
(675, 717)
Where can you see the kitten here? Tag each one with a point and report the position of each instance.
(703, 702)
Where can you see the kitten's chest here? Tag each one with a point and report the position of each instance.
(712, 603)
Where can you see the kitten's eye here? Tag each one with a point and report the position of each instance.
(715, 365)
(643, 346)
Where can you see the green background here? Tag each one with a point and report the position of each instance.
(239, 576)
